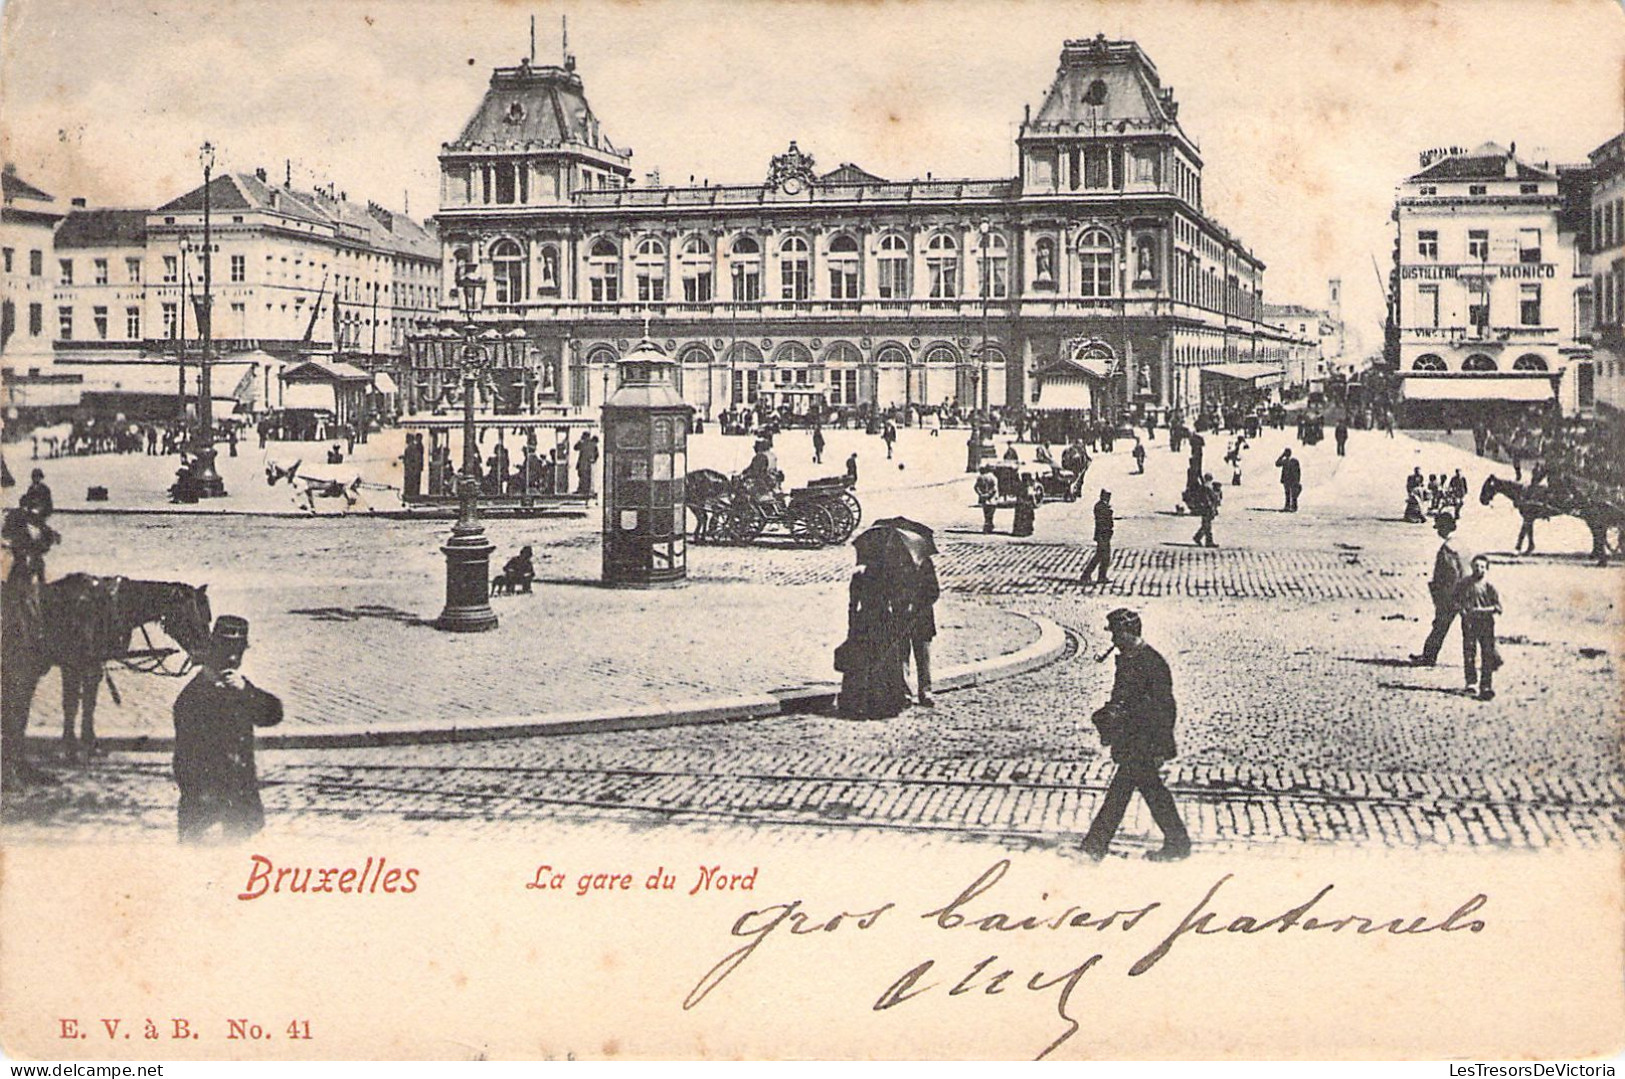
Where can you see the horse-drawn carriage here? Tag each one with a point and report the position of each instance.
(732, 510)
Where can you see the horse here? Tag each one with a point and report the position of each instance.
(1536, 503)
(706, 490)
(310, 488)
(87, 621)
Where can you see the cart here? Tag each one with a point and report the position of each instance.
(822, 513)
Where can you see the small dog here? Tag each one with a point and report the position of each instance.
(503, 585)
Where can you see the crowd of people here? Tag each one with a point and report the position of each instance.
(1428, 496)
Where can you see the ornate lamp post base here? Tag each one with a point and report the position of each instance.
(205, 480)
(468, 582)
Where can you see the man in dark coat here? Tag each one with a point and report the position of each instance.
(923, 625)
(1448, 573)
(215, 717)
(1104, 527)
(1341, 432)
(1138, 724)
(1291, 479)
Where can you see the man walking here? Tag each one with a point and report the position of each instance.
(215, 717)
(818, 444)
(1205, 498)
(1341, 433)
(1291, 479)
(1448, 572)
(1138, 725)
(1104, 527)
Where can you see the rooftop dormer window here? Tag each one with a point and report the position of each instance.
(1095, 95)
(515, 113)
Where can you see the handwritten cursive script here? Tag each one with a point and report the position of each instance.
(973, 910)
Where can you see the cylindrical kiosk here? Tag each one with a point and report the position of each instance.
(645, 462)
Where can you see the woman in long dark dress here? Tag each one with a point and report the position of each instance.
(872, 685)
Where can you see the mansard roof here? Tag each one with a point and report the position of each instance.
(529, 107)
(1486, 162)
(368, 223)
(102, 228)
(1104, 82)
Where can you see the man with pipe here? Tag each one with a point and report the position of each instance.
(1138, 724)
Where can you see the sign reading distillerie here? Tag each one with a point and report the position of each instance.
(1524, 270)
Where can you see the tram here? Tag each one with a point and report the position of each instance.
(527, 464)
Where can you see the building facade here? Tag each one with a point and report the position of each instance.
(28, 221)
(293, 273)
(1491, 281)
(1096, 267)
(1603, 308)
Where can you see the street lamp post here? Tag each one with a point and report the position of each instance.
(468, 552)
(180, 340)
(206, 481)
(986, 232)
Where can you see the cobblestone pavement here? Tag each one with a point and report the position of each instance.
(1300, 719)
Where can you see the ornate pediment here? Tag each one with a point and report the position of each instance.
(791, 170)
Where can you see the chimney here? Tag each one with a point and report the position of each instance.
(78, 203)
(260, 175)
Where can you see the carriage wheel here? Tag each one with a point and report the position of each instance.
(854, 509)
(830, 520)
(804, 525)
(842, 519)
(745, 522)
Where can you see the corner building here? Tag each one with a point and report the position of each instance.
(1092, 281)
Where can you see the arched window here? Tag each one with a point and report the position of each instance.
(507, 273)
(795, 269)
(842, 361)
(1095, 264)
(942, 264)
(941, 354)
(1429, 362)
(842, 352)
(745, 362)
(696, 270)
(793, 352)
(743, 352)
(995, 253)
(893, 267)
(843, 268)
(891, 354)
(746, 266)
(1478, 362)
(604, 272)
(1530, 362)
(649, 268)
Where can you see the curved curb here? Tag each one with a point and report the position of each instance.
(1050, 645)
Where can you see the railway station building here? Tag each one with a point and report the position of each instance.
(1093, 280)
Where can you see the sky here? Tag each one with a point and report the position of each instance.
(1307, 114)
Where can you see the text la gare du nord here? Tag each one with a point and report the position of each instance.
(711, 878)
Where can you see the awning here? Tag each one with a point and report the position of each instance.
(1479, 388)
(1259, 374)
(384, 384)
(1064, 394)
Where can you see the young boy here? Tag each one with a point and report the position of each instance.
(1480, 603)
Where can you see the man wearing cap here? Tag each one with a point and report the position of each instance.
(1448, 573)
(1104, 526)
(1138, 724)
(38, 496)
(215, 717)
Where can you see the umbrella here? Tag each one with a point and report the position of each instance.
(906, 525)
(885, 548)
